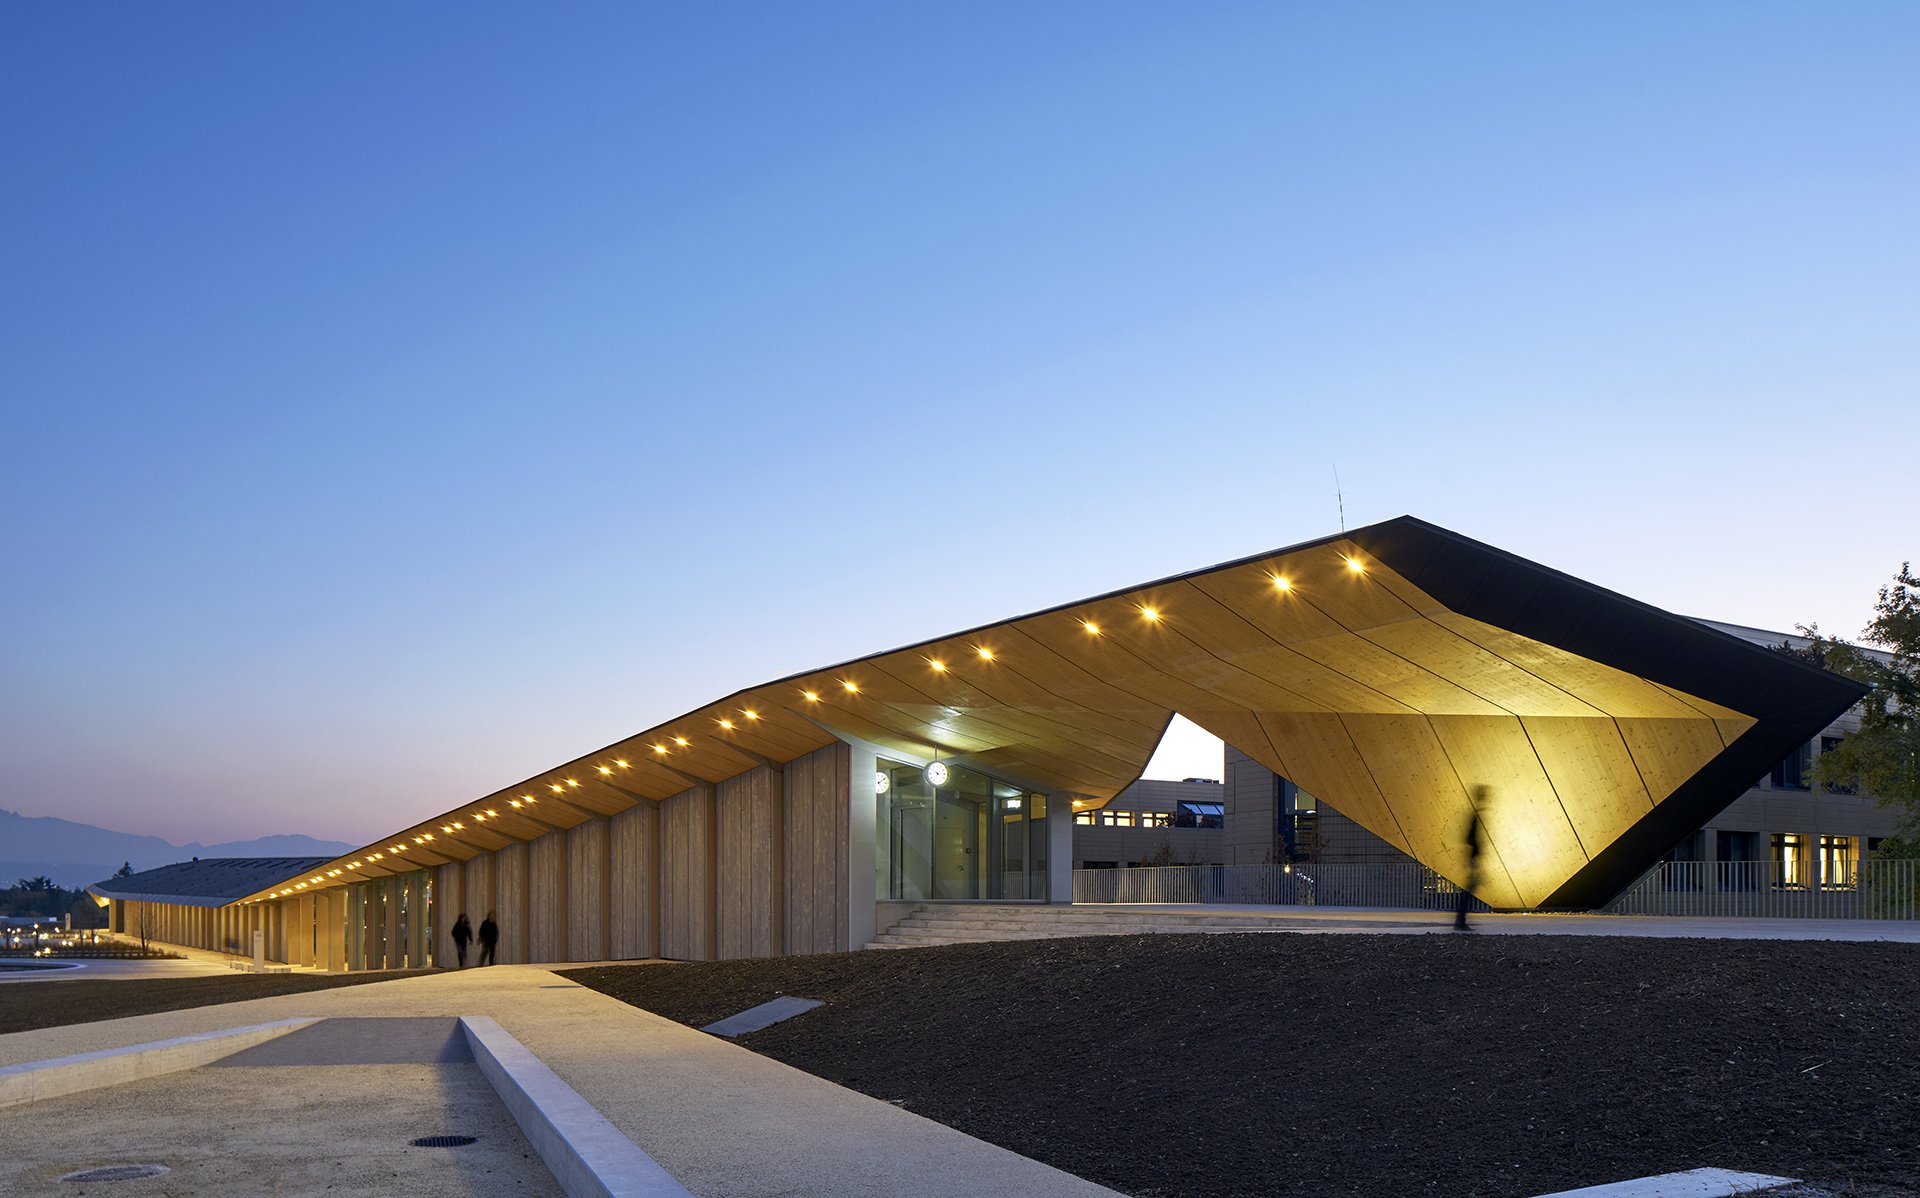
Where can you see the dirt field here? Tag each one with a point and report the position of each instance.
(25, 1006)
(1370, 1066)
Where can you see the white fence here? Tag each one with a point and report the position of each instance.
(1767, 889)
(1764, 889)
(1404, 885)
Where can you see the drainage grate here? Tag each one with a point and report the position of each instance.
(116, 1173)
(443, 1141)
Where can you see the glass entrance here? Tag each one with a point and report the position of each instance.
(951, 833)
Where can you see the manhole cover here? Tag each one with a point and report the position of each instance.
(443, 1141)
(116, 1173)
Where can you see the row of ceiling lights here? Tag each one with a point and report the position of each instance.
(1148, 613)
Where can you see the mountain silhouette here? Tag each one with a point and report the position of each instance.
(75, 854)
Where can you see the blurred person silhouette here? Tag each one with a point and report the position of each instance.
(1476, 835)
(462, 935)
(489, 936)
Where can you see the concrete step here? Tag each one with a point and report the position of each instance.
(975, 924)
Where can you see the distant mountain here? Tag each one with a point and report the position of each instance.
(80, 854)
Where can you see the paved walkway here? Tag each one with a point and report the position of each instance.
(727, 1122)
(192, 963)
(1384, 920)
(240, 1132)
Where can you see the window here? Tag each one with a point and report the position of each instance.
(1155, 819)
(1836, 862)
(1085, 818)
(1198, 815)
(1791, 773)
(1827, 745)
(1789, 858)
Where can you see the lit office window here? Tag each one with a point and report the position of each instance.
(1084, 817)
(1836, 862)
(1789, 853)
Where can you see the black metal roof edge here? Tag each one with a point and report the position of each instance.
(115, 888)
(1508, 591)
(173, 900)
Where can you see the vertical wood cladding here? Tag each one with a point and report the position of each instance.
(329, 925)
(510, 903)
(476, 888)
(687, 923)
(752, 865)
(547, 898)
(815, 850)
(586, 888)
(449, 902)
(634, 883)
(300, 930)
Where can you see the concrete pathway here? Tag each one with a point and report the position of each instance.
(278, 1129)
(1381, 920)
(726, 1122)
(192, 963)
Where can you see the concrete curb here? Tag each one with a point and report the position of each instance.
(38, 1080)
(586, 1154)
(1694, 1183)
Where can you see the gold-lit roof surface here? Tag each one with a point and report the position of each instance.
(1388, 671)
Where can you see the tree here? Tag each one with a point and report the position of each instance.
(1882, 758)
(125, 870)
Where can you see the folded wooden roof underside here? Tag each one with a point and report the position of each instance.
(1388, 671)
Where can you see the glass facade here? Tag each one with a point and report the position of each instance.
(951, 833)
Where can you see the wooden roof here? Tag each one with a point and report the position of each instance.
(1389, 671)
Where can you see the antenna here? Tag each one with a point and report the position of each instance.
(1340, 498)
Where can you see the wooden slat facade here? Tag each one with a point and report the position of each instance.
(687, 877)
(547, 884)
(510, 904)
(815, 831)
(633, 870)
(586, 886)
(752, 864)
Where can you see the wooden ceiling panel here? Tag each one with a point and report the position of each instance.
(1485, 674)
(1364, 686)
(1668, 752)
(1418, 783)
(1594, 775)
(1602, 687)
(1392, 675)
(1527, 828)
(1323, 761)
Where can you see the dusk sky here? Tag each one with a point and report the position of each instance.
(402, 399)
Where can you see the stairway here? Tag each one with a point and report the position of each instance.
(975, 923)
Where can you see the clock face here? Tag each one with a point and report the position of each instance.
(881, 783)
(937, 774)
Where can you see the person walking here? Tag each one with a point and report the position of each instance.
(462, 936)
(1476, 833)
(489, 937)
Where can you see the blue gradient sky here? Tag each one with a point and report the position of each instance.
(401, 399)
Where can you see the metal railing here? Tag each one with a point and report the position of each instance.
(1769, 890)
(1401, 885)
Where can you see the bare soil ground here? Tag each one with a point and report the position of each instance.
(25, 1006)
(1368, 1066)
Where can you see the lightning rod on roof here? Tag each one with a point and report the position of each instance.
(1340, 499)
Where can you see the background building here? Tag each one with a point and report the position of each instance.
(1154, 822)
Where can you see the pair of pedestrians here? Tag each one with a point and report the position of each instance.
(463, 934)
